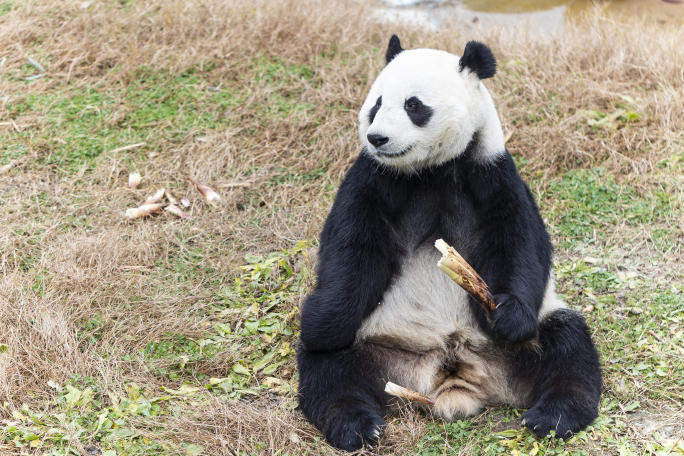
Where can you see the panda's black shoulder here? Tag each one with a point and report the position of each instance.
(366, 181)
(367, 194)
(504, 202)
(488, 178)
(364, 172)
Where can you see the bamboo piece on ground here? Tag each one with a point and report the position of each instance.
(5, 168)
(395, 390)
(154, 199)
(170, 197)
(211, 196)
(177, 211)
(134, 180)
(463, 274)
(145, 210)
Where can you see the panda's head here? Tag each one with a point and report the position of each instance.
(426, 107)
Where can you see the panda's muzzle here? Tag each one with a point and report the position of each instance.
(392, 155)
(377, 140)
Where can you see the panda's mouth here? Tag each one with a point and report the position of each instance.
(393, 155)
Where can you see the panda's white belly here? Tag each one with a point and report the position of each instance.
(424, 337)
(423, 307)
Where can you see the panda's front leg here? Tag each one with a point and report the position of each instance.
(340, 393)
(340, 386)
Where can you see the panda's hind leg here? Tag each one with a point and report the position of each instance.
(568, 383)
(340, 393)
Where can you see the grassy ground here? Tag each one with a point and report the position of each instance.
(168, 336)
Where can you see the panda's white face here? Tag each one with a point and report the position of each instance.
(422, 111)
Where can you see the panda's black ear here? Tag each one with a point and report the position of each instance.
(393, 49)
(478, 58)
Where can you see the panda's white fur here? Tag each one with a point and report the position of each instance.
(461, 103)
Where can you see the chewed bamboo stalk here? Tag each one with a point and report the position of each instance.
(145, 210)
(134, 180)
(170, 197)
(185, 201)
(211, 196)
(5, 168)
(156, 197)
(177, 211)
(463, 274)
(399, 391)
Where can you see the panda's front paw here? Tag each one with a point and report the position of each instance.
(350, 429)
(513, 321)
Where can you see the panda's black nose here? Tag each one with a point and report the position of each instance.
(377, 140)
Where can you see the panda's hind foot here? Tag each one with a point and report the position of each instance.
(559, 416)
(352, 428)
(568, 389)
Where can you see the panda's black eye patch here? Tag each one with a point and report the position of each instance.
(417, 111)
(374, 110)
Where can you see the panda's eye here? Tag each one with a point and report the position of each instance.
(412, 104)
(378, 102)
(417, 111)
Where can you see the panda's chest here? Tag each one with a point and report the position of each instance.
(422, 307)
(429, 208)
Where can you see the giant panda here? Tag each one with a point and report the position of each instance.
(434, 165)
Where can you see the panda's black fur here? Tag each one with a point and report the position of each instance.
(487, 213)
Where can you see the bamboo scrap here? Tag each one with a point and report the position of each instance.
(170, 197)
(211, 196)
(134, 180)
(145, 210)
(463, 274)
(175, 210)
(399, 391)
(5, 168)
(154, 199)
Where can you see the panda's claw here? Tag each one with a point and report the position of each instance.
(353, 429)
(565, 418)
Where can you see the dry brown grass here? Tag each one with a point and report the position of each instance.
(56, 273)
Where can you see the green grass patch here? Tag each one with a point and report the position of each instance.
(84, 409)
(253, 323)
(79, 123)
(584, 205)
(5, 7)
(645, 343)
